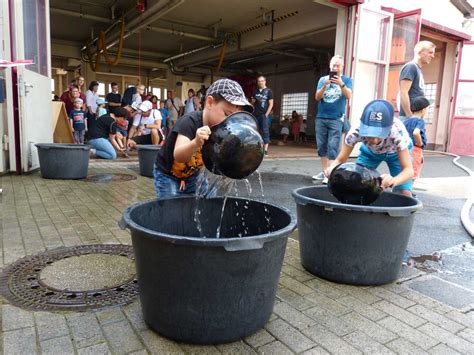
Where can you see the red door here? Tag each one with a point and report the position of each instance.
(461, 138)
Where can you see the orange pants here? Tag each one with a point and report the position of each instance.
(417, 154)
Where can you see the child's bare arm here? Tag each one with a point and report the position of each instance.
(185, 148)
(417, 136)
(406, 173)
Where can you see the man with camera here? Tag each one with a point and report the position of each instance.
(332, 93)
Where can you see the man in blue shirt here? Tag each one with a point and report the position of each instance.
(262, 100)
(411, 79)
(332, 94)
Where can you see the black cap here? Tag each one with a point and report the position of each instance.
(419, 103)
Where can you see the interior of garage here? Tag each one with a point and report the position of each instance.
(179, 44)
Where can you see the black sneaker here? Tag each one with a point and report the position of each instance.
(266, 153)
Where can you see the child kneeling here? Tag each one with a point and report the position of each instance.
(383, 138)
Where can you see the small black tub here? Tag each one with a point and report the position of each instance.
(63, 161)
(146, 158)
(353, 244)
(208, 290)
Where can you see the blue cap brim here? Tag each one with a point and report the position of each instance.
(376, 132)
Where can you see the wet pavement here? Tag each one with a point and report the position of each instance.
(430, 309)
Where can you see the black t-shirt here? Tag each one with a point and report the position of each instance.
(102, 127)
(261, 100)
(186, 126)
(115, 98)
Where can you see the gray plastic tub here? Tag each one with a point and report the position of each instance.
(207, 290)
(63, 161)
(146, 158)
(353, 244)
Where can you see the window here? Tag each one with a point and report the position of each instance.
(430, 94)
(157, 92)
(34, 30)
(294, 102)
(101, 90)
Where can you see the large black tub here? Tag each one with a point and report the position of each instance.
(146, 158)
(208, 290)
(63, 161)
(353, 244)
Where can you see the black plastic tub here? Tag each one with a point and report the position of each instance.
(207, 290)
(146, 158)
(63, 161)
(353, 244)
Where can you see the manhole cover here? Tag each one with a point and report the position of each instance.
(110, 177)
(76, 278)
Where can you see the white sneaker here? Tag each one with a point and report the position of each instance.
(325, 181)
(92, 153)
(320, 176)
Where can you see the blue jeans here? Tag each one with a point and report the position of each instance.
(104, 149)
(328, 137)
(372, 161)
(264, 127)
(169, 186)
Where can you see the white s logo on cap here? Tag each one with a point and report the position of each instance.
(376, 116)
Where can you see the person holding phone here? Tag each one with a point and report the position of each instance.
(332, 93)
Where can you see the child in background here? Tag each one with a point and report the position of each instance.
(303, 128)
(101, 110)
(415, 126)
(384, 138)
(285, 130)
(164, 115)
(78, 118)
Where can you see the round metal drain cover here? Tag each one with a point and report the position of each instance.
(110, 177)
(75, 278)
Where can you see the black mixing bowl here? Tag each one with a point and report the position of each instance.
(234, 148)
(355, 184)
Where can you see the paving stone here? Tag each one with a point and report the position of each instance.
(155, 343)
(325, 288)
(327, 303)
(297, 274)
(436, 318)
(442, 349)
(294, 285)
(427, 301)
(259, 339)
(329, 340)
(294, 299)
(275, 347)
(85, 329)
(366, 344)
(289, 336)
(467, 334)
(97, 349)
(391, 297)
(62, 345)
(50, 325)
(372, 329)
(20, 341)
(362, 308)
(358, 292)
(399, 313)
(443, 291)
(15, 318)
(134, 314)
(200, 349)
(316, 351)
(448, 338)
(404, 347)
(237, 347)
(121, 337)
(466, 319)
(110, 315)
(292, 316)
(413, 335)
(327, 319)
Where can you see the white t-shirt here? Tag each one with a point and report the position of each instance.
(172, 109)
(91, 100)
(139, 120)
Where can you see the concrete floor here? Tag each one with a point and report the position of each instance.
(423, 312)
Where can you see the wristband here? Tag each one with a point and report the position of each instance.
(343, 86)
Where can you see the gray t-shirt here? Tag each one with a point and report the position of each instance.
(411, 71)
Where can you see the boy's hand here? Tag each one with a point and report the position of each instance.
(387, 180)
(202, 135)
(329, 169)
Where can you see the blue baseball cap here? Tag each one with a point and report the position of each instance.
(377, 119)
(101, 101)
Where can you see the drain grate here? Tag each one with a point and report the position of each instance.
(21, 284)
(110, 177)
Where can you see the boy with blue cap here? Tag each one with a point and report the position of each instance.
(383, 138)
